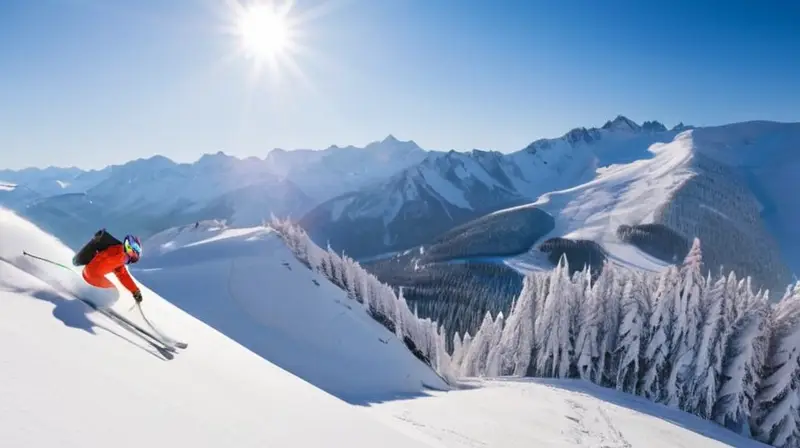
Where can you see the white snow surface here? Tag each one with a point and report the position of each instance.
(70, 377)
(506, 413)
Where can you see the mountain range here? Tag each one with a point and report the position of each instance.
(148, 195)
(450, 188)
(726, 185)
(626, 188)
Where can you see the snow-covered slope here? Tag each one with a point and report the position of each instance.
(72, 378)
(328, 173)
(448, 189)
(728, 185)
(248, 285)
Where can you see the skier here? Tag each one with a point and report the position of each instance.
(104, 254)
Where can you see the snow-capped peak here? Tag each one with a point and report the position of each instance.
(681, 127)
(213, 158)
(622, 123)
(653, 126)
(391, 143)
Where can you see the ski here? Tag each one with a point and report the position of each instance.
(120, 318)
(172, 341)
(165, 350)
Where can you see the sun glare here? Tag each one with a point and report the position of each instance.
(263, 31)
(272, 37)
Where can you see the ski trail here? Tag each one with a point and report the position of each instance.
(593, 429)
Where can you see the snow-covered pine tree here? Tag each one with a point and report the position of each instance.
(458, 352)
(686, 327)
(607, 365)
(590, 319)
(474, 363)
(744, 358)
(631, 332)
(349, 273)
(776, 414)
(399, 318)
(516, 347)
(557, 333)
(444, 363)
(707, 366)
(466, 346)
(325, 265)
(337, 268)
(659, 348)
(493, 358)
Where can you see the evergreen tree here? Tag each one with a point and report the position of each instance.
(744, 358)
(707, 368)
(776, 416)
(557, 332)
(631, 331)
(686, 326)
(659, 348)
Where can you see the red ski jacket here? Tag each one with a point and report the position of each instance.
(106, 261)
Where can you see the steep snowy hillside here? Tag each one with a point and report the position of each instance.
(246, 283)
(727, 185)
(71, 377)
(337, 170)
(446, 190)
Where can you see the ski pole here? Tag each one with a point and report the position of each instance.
(46, 260)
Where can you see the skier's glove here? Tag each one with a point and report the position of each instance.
(137, 296)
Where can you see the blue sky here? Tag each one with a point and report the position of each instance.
(93, 82)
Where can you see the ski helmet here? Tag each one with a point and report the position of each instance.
(133, 248)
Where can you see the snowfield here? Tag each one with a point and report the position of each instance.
(554, 413)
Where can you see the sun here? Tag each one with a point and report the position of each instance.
(264, 31)
(272, 37)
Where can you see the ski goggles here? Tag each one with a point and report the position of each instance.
(132, 250)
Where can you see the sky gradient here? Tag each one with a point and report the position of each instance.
(92, 82)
